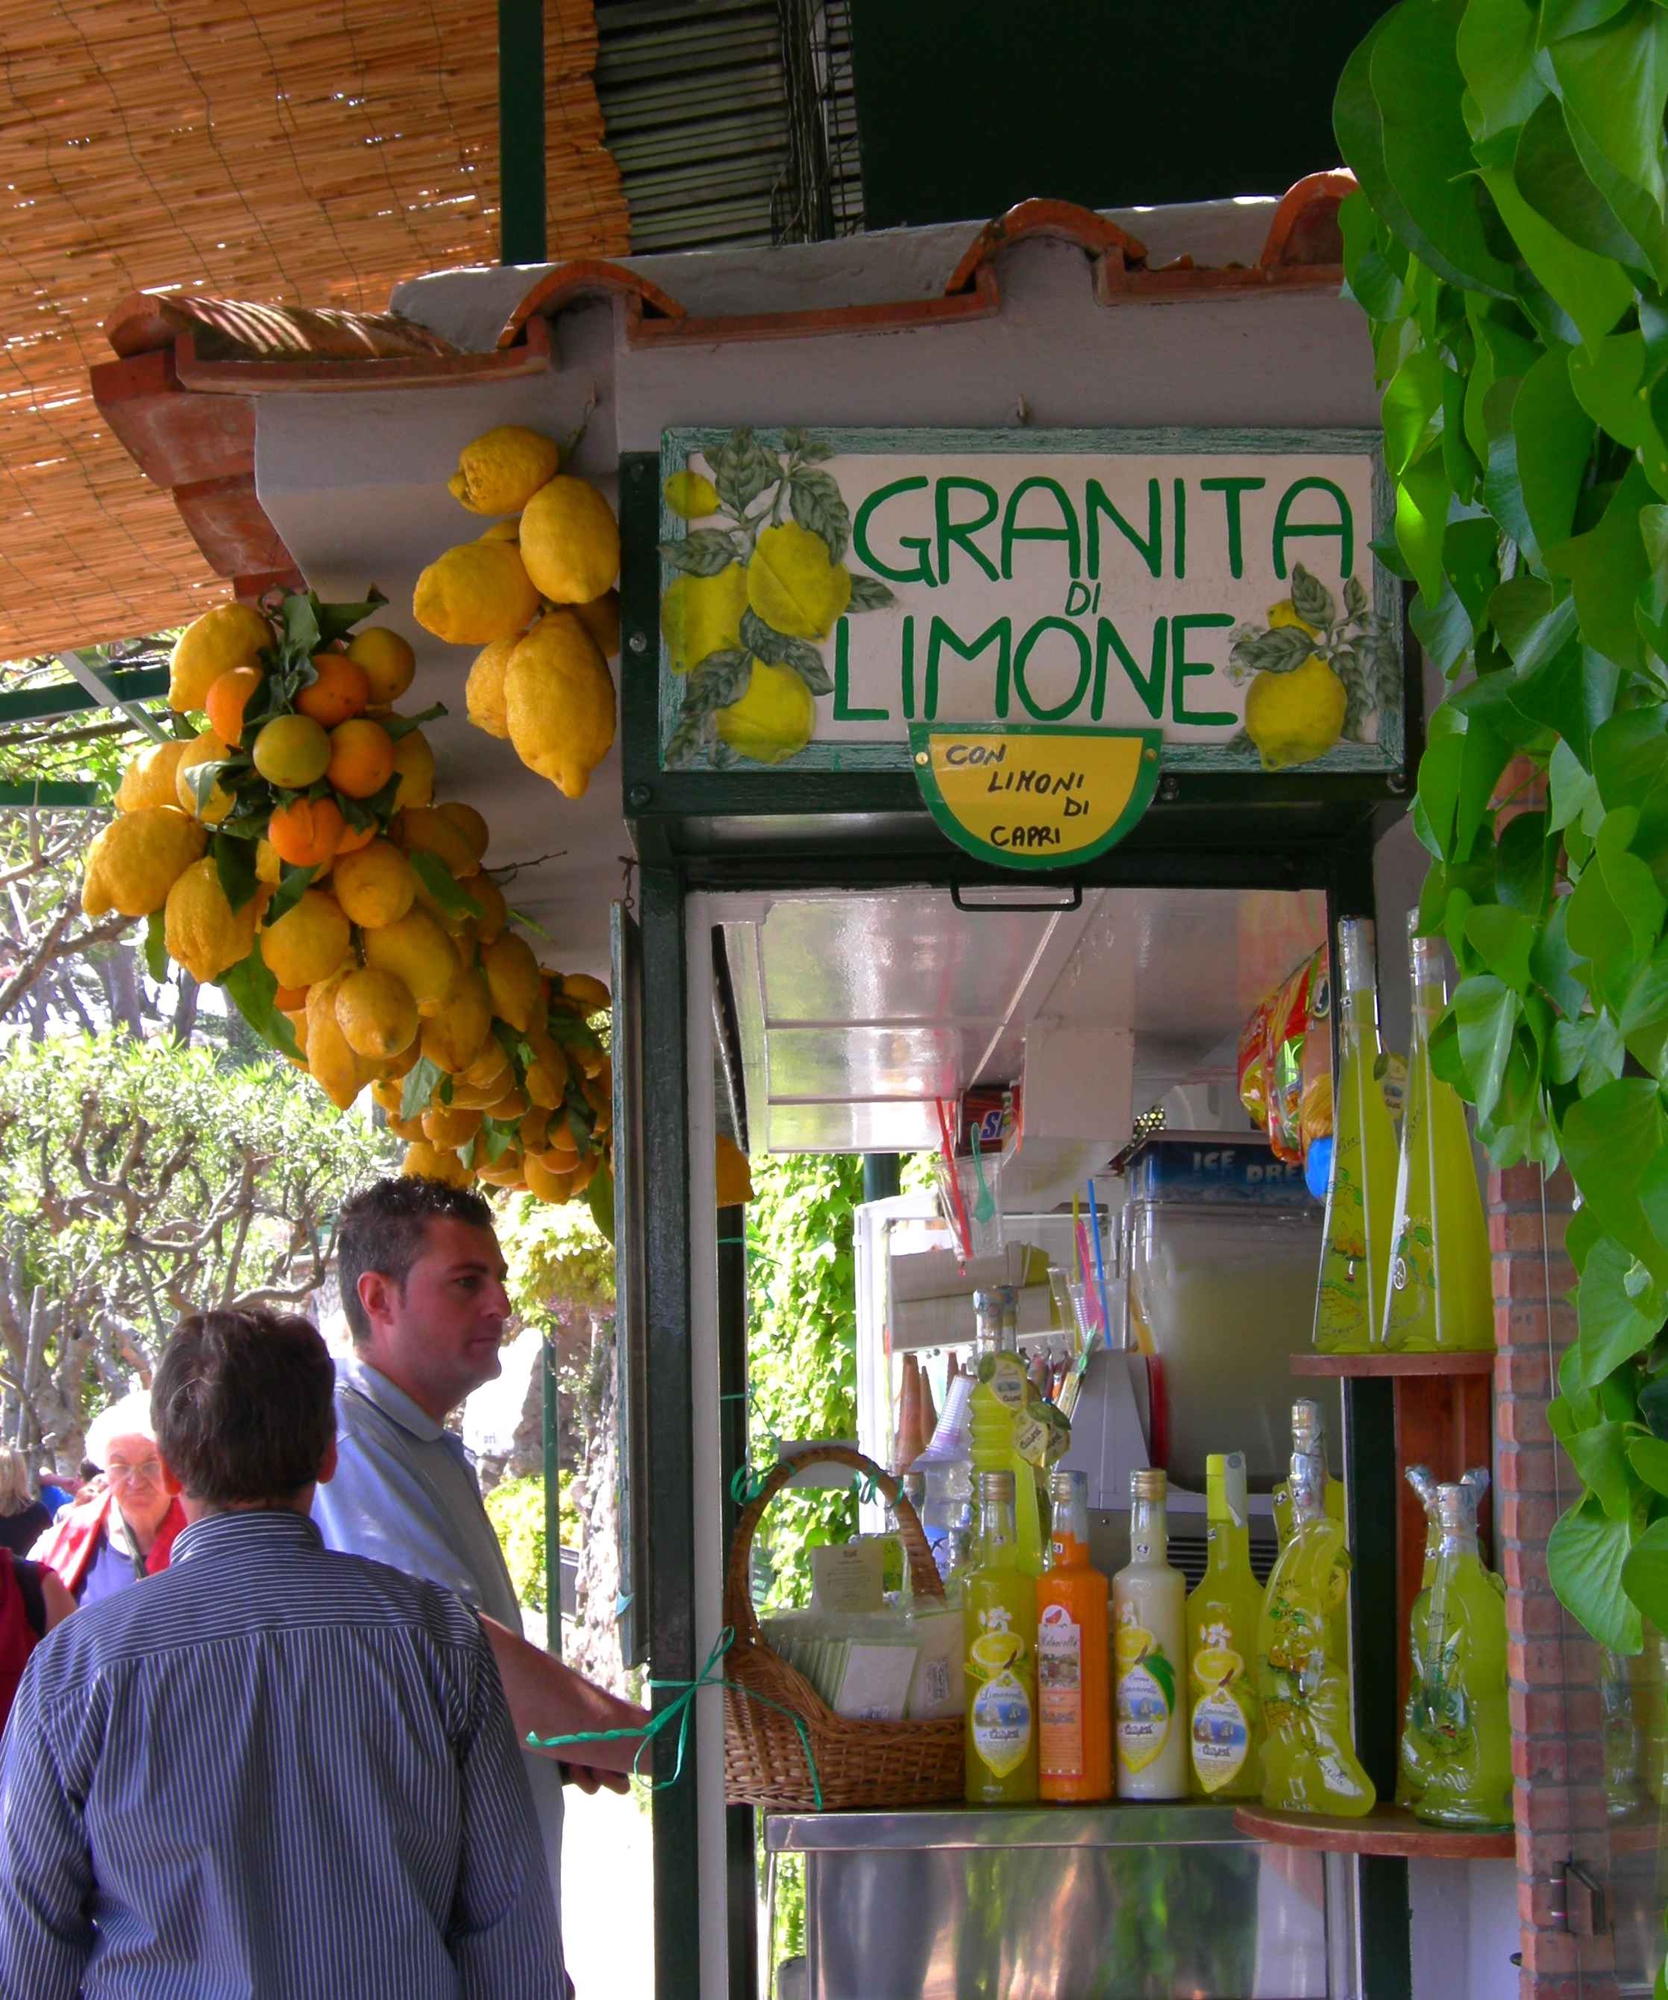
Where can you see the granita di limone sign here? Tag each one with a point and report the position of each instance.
(828, 596)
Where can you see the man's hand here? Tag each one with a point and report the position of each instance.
(547, 1698)
(590, 1781)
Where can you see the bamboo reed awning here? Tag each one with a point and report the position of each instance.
(302, 152)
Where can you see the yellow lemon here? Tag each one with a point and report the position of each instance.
(1285, 613)
(375, 885)
(335, 1068)
(455, 1030)
(545, 1185)
(204, 933)
(502, 531)
(231, 635)
(419, 952)
(308, 942)
(427, 830)
(559, 703)
(702, 614)
(217, 804)
(137, 859)
(388, 662)
(502, 469)
(414, 767)
(570, 542)
(450, 1125)
(591, 996)
(431, 1163)
(475, 593)
(793, 585)
(150, 779)
(488, 898)
(1131, 1643)
(995, 1650)
(601, 618)
(292, 752)
(470, 823)
(773, 720)
(1294, 718)
(691, 495)
(483, 692)
(513, 978)
(269, 864)
(376, 1013)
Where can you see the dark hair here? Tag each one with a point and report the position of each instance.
(383, 1229)
(244, 1405)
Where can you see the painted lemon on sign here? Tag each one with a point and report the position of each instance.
(773, 720)
(793, 583)
(702, 614)
(1295, 717)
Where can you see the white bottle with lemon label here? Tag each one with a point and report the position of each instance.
(1149, 1634)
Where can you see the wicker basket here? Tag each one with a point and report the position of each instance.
(858, 1764)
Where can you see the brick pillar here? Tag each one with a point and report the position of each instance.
(1555, 1669)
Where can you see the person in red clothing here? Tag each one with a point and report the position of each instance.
(123, 1525)
(32, 1601)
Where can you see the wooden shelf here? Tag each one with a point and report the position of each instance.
(1388, 1830)
(1392, 1364)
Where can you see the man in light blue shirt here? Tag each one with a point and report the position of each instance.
(422, 1284)
(268, 1771)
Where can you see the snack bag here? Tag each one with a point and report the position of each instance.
(1253, 1073)
(1283, 1065)
(1315, 1105)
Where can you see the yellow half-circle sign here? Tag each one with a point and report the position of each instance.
(1028, 796)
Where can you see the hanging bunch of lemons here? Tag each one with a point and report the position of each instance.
(289, 850)
(536, 594)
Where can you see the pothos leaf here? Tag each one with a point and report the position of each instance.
(418, 1088)
(253, 991)
(156, 947)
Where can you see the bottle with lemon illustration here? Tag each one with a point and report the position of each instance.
(1222, 1614)
(1073, 1669)
(1149, 1638)
(1309, 1761)
(999, 1617)
(1462, 1718)
(1441, 1294)
(1000, 1423)
(1360, 1192)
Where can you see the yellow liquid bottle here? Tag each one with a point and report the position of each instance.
(1149, 1642)
(1360, 1195)
(1309, 1760)
(1462, 1714)
(1441, 1291)
(999, 1622)
(998, 1413)
(1308, 1437)
(1411, 1772)
(1225, 1716)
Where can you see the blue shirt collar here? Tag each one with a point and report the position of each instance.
(231, 1536)
(353, 1372)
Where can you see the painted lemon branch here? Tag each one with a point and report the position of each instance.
(756, 596)
(1510, 246)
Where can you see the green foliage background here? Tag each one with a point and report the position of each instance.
(1510, 245)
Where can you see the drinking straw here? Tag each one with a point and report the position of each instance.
(1100, 1265)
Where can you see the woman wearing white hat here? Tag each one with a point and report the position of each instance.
(123, 1525)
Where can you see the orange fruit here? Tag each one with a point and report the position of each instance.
(361, 758)
(414, 760)
(388, 661)
(469, 823)
(307, 832)
(227, 699)
(355, 837)
(342, 690)
(291, 752)
(290, 999)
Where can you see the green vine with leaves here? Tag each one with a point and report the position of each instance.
(1510, 245)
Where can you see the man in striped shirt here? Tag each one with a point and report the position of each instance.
(271, 1772)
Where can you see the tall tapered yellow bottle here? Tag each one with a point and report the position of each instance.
(1360, 1195)
(1441, 1291)
(1222, 1613)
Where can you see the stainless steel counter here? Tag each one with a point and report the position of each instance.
(1116, 1902)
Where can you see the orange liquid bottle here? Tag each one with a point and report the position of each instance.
(1074, 1666)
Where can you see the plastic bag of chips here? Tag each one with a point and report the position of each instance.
(1253, 1073)
(1315, 1104)
(1288, 1024)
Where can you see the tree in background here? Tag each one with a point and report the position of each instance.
(143, 1181)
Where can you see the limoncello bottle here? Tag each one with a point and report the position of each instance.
(1360, 1193)
(1441, 1291)
(1149, 1641)
(1074, 1674)
(1000, 1393)
(1463, 1723)
(1222, 1614)
(1411, 1773)
(1309, 1438)
(999, 1620)
(1309, 1760)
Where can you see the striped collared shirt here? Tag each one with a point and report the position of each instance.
(269, 1773)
